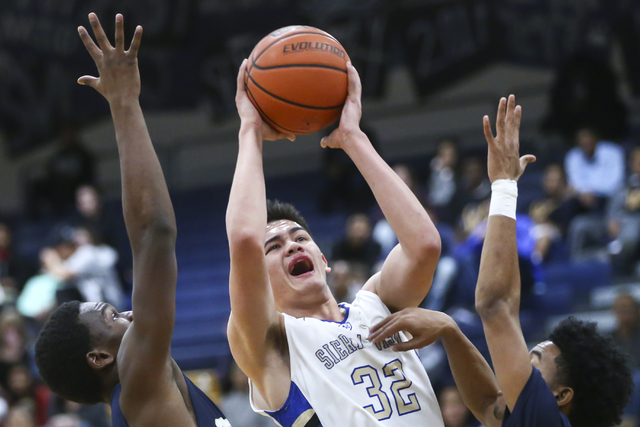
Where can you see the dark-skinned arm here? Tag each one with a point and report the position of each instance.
(148, 212)
(498, 288)
(473, 375)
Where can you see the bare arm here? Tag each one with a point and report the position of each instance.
(148, 212)
(498, 288)
(473, 375)
(253, 307)
(408, 270)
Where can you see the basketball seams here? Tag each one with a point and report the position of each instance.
(311, 107)
(262, 113)
(274, 67)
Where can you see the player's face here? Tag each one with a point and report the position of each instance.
(107, 326)
(294, 261)
(543, 357)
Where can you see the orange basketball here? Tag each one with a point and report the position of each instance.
(297, 79)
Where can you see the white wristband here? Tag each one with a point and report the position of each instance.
(504, 198)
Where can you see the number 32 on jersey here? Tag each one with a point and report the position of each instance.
(404, 404)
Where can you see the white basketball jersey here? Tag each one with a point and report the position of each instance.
(339, 379)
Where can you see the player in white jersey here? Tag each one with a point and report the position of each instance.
(308, 359)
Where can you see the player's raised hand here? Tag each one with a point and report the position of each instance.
(351, 113)
(425, 326)
(504, 161)
(249, 116)
(118, 69)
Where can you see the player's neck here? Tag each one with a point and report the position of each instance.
(110, 381)
(328, 310)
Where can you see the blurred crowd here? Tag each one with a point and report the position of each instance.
(579, 203)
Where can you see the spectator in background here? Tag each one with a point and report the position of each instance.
(343, 282)
(624, 219)
(13, 344)
(64, 413)
(473, 188)
(23, 390)
(70, 166)
(627, 333)
(20, 416)
(595, 170)
(442, 180)
(236, 406)
(358, 246)
(90, 267)
(454, 412)
(553, 213)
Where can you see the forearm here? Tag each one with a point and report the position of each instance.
(474, 378)
(498, 285)
(247, 210)
(145, 197)
(406, 215)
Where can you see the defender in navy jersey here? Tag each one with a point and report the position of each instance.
(90, 353)
(578, 377)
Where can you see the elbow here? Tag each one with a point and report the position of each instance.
(243, 240)
(429, 249)
(489, 307)
(161, 228)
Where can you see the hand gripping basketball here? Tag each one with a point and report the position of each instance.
(351, 114)
(249, 116)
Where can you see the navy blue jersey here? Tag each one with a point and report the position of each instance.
(536, 406)
(207, 413)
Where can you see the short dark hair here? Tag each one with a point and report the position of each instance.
(61, 350)
(593, 366)
(277, 210)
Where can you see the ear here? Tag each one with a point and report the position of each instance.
(99, 359)
(327, 269)
(564, 396)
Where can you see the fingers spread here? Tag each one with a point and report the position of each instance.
(487, 130)
(119, 33)
(88, 81)
(511, 105)
(502, 110)
(93, 50)
(101, 37)
(135, 42)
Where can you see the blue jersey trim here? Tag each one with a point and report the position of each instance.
(346, 315)
(296, 407)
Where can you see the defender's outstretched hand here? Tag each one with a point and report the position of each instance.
(503, 161)
(249, 116)
(119, 76)
(351, 113)
(425, 326)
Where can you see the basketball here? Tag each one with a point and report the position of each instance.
(297, 79)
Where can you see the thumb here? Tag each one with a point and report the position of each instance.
(324, 142)
(88, 81)
(289, 136)
(526, 159)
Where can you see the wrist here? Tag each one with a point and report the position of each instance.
(250, 128)
(504, 198)
(124, 102)
(450, 328)
(355, 139)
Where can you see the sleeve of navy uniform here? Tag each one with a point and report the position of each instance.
(536, 406)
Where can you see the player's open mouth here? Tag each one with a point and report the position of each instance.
(300, 265)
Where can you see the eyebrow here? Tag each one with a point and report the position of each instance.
(279, 236)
